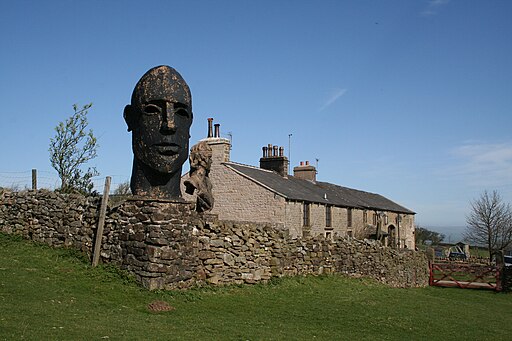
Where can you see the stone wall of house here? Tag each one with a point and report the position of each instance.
(317, 222)
(241, 199)
(360, 227)
(293, 219)
(168, 245)
(358, 223)
(407, 232)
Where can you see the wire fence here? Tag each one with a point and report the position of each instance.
(24, 180)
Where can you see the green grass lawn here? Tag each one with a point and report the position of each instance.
(48, 294)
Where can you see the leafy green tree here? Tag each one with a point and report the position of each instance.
(489, 222)
(422, 235)
(71, 148)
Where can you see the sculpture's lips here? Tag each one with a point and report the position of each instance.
(166, 148)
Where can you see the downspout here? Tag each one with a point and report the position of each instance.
(399, 218)
(286, 215)
(377, 221)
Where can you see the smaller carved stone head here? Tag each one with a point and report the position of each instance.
(198, 181)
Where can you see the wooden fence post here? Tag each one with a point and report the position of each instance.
(500, 269)
(34, 179)
(101, 222)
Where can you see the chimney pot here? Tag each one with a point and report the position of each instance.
(274, 160)
(210, 128)
(307, 163)
(217, 130)
(302, 163)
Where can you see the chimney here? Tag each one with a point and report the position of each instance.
(273, 159)
(221, 147)
(210, 127)
(305, 172)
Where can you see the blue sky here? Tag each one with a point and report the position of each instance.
(408, 99)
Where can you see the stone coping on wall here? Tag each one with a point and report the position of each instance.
(160, 200)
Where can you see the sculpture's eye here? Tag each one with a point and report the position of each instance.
(152, 109)
(181, 109)
(182, 112)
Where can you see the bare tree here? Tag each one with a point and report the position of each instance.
(71, 148)
(123, 188)
(490, 222)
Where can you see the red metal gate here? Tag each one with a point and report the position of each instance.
(465, 276)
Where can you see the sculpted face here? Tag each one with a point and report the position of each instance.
(159, 117)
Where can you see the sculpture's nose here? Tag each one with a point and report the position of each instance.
(168, 123)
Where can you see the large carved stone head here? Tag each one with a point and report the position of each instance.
(159, 117)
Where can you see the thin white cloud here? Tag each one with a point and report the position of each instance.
(337, 93)
(484, 165)
(433, 7)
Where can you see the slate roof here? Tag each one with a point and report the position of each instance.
(293, 188)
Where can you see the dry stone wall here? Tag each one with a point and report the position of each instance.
(51, 218)
(168, 245)
(235, 253)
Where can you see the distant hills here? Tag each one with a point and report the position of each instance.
(453, 234)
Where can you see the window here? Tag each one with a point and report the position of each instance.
(349, 217)
(374, 218)
(365, 217)
(306, 214)
(328, 235)
(328, 216)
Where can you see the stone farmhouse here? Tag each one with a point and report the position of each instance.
(300, 204)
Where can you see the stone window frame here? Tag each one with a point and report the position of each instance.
(349, 217)
(328, 215)
(306, 214)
